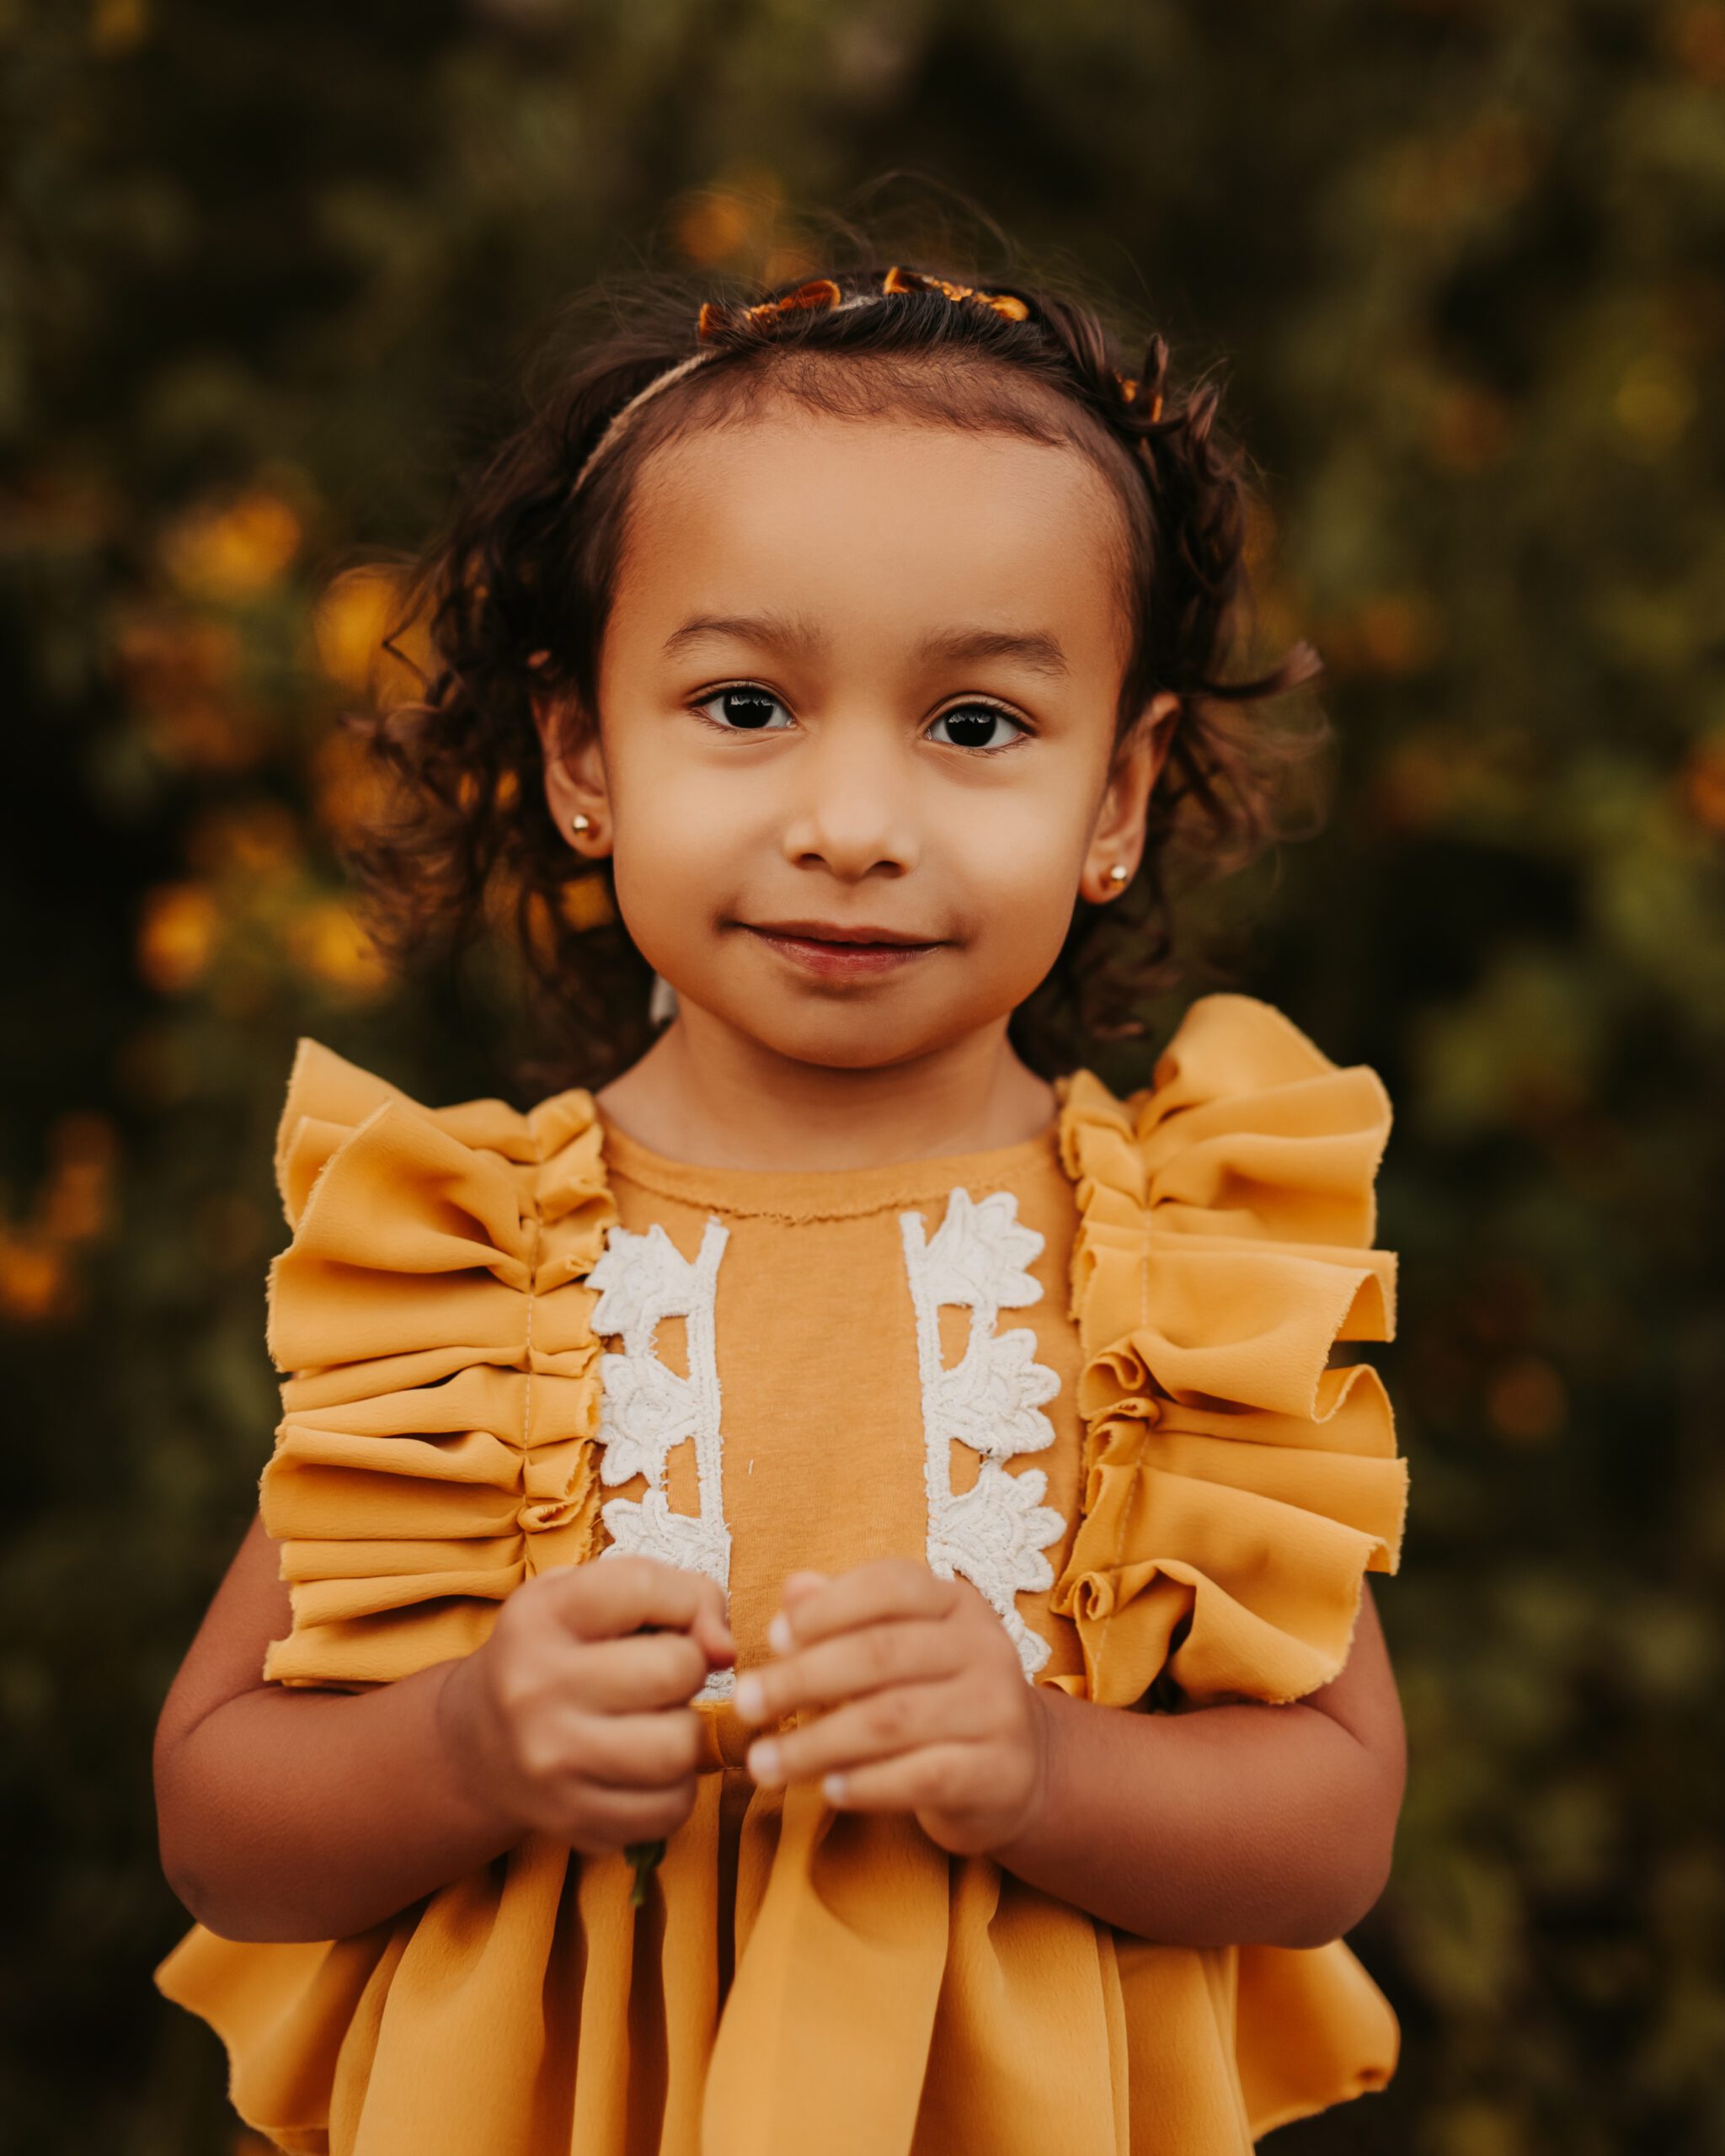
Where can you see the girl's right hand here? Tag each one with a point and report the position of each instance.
(573, 1718)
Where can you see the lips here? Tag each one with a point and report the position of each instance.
(832, 931)
(834, 952)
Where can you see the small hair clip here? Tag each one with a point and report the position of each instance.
(900, 279)
(1128, 389)
(719, 314)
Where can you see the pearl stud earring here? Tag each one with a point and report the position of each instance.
(1119, 873)
(580, 823)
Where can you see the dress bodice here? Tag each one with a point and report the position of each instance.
(817, 1369)
(1093, 1372)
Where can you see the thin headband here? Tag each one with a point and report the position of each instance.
(819, 292)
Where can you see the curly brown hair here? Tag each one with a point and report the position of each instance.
(511, 596)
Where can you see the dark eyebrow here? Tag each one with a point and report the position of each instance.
(783, 630)
(1032, 647)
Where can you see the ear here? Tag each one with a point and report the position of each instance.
(575, 774)
(1118, 838)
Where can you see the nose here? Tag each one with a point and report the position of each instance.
(851, 809)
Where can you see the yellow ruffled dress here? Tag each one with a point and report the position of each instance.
(1092, 1371)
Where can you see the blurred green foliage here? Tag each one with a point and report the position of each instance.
(263, 268)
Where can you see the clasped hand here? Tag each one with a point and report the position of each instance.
(923, 1704)
(574, 1718)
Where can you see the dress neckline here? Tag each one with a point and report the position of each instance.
(823, 1194)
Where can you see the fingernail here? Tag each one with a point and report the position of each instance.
(751, 1702)
(778, 1634)
(832, 1787)
(763, 1760)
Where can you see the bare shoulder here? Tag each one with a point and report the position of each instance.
(250, 1608)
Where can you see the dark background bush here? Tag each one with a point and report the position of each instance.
(264, 269)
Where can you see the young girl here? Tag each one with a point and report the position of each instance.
(812, 1599)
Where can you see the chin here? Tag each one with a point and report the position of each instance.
(855, 1038)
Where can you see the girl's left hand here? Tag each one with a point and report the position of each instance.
(926, 1706)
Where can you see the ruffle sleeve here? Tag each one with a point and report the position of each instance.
(1239, 1482)
(440, 1395)
(1240, 1479)
(440, 1392)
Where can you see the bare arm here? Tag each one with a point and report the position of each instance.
(1227, 1823)
(303, 1813)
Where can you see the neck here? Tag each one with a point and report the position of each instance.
(710, 1096)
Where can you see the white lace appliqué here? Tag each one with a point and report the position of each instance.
(646, 1408)
(991, 1399)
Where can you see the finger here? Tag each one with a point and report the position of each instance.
(904, 1718)
(638, 1751)
(796, 1588)
(934, 1778)
(638, 1672)
(619, 1592)
(899, 1652)
(712, 1627)
(889, 1587)
(618, 1817)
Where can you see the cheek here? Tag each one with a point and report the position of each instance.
(683, 839)
(1019, 863)
(663, 813)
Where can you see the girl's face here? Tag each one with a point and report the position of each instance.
(859, 682)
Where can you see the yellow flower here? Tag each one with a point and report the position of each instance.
(234, 551)
(176, 936)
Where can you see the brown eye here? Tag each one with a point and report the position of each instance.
(972, 726)
(744, 709)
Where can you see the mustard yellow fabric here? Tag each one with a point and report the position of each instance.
(801, 1978)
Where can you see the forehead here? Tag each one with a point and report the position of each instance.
(873, 527)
